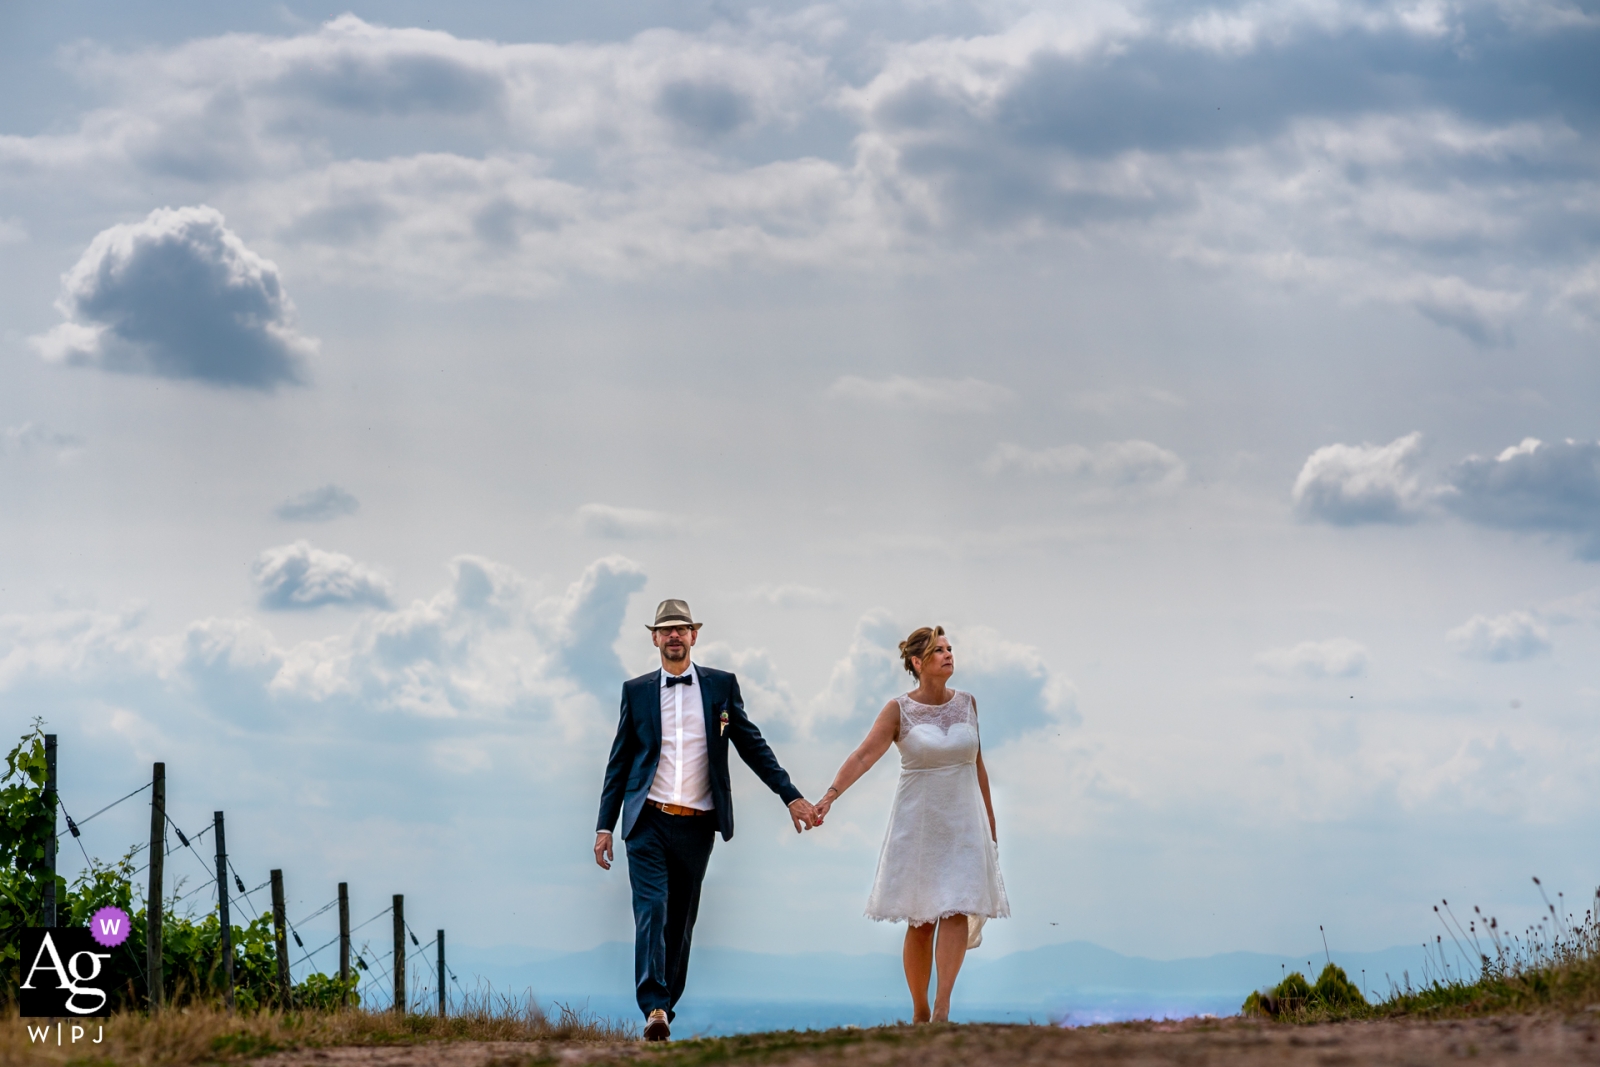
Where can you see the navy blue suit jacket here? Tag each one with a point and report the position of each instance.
(631, 769)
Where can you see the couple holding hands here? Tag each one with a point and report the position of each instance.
(667, 779)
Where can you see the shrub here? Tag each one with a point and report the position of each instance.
(191, 950)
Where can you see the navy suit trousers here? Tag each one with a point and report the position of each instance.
(667, 857)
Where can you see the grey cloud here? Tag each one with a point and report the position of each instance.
(1016, 691)
(1483, 315)
(1515, 635)
(704, 108)
(1540, 486)
(1352, 484)
(298, 577)
(318, 505)
(1115, 463)
(179, 296)
(403, 74)
(592, 614)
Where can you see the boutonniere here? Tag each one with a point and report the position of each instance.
(724, 728)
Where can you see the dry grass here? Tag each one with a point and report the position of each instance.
(209, 1035)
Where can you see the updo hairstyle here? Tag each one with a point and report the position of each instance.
(918, 645)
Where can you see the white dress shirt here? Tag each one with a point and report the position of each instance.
(683, 776)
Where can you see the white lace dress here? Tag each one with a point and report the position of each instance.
(938, 858)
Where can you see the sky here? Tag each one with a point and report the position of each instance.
(1222, 376)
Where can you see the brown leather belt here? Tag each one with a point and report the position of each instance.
(675, 809)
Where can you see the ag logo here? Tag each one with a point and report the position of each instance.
(61, 972)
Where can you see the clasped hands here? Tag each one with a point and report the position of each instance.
(808, 816)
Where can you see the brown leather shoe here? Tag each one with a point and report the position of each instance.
(656, 1028)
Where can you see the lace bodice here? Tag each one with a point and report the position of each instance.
(943, 735)
(957, 709)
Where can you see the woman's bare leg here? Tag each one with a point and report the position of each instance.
(918, 957)
(951, 951)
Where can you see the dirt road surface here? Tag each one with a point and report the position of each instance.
(1546, 1041)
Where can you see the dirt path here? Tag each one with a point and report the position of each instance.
(1525, 1040)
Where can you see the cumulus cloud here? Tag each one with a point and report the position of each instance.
(1337, 657)
(479, 649)
(1352, 484)
(768, 699)
(1500, 638)
(298, 577)
(627, 524)
(1536, 485)
(179, 295)
(923, 394)
(1016, 690)
(33, 437)
(318, 505)
(1115, 463)
(589, 619)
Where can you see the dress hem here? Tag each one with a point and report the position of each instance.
(916, 921)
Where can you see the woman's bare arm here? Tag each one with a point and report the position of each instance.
(885, 728)
(983, 783)
(983, 786)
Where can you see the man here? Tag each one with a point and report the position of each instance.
(668, 779)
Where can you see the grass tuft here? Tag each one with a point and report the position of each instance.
(211, 1035)
(1552, 966)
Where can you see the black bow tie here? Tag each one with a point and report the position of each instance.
(679, 679)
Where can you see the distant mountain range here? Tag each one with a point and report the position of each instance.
(1075, 981)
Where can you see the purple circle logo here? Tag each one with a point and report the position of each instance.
(110, 926)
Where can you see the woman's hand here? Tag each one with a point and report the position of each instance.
(825, 804)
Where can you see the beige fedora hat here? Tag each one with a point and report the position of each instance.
(673, 613)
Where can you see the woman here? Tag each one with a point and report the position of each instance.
(940, 867)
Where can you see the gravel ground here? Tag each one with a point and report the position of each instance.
(1547, 1041)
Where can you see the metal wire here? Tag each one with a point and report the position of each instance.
(113, 804)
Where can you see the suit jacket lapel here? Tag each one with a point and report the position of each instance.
(652, 709)
(705, 705)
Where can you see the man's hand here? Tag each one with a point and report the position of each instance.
(602, 849)
(802, 814)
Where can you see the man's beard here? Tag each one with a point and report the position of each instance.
(674, 653)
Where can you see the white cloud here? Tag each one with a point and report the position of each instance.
(1114, 463)
(32, 437)
(12, 231)
(318, 505)
(794, 595)
(178, 296)
(478, 649)
(625, 524)
(923, 394)
(1337, 657)
(1500, 638)
(1351, 484)
(299, 576)
(1016, 690)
